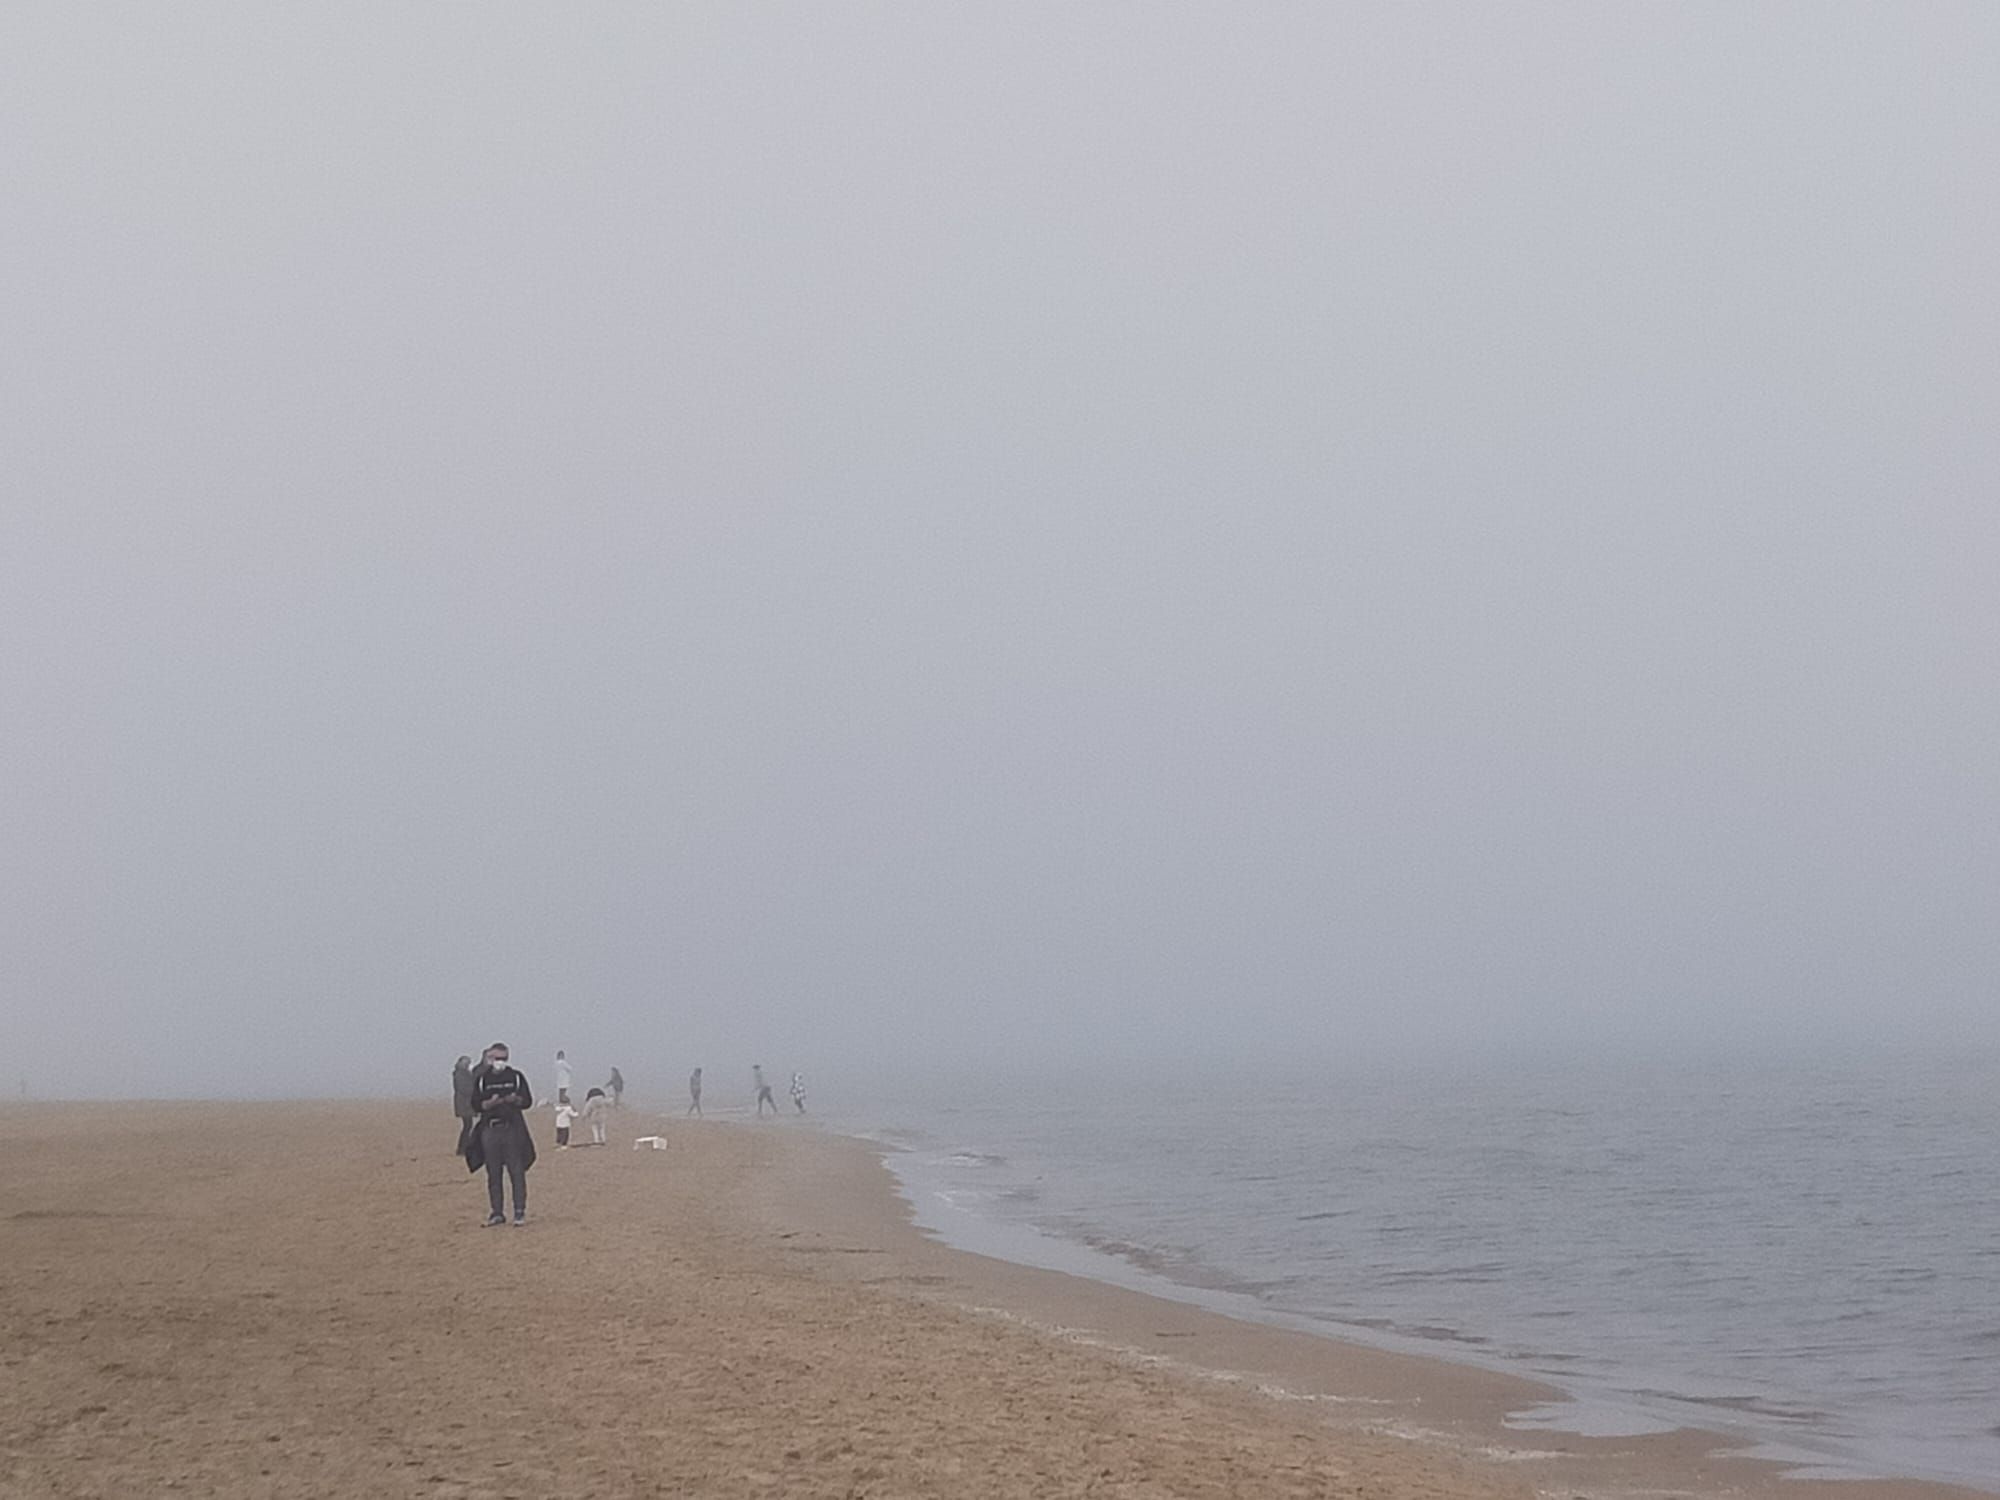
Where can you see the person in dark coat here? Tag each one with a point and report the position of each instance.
(461, 1101)
(501, 1142)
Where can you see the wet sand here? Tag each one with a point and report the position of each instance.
(299, 1300)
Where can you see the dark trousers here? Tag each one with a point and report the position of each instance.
(504, 1153)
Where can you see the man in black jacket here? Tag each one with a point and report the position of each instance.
(502, 1143)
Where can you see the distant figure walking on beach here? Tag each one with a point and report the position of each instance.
(617, 1088)
(799, 1091)
(763, 1090)
(502, 1144)
(562, 1077)
(694, 1093)
(461, 1101)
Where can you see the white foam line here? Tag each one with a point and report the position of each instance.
(1517, 1455)
(1092, 1339)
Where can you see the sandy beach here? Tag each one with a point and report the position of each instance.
(299, 1300)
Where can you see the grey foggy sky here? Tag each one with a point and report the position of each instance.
(715, 533)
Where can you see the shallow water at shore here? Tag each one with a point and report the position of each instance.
(1807, 1257)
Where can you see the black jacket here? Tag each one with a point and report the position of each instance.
(489, 1082)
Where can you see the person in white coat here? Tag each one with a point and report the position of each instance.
(597, 1107)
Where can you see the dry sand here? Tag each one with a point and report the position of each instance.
(299, 1300)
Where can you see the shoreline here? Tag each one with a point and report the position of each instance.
(1562, 1409)
(1475, 1408)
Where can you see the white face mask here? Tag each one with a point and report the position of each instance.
(499, 1062)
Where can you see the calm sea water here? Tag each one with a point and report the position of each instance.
(1806, 1256)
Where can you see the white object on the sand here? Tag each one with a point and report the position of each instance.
(657, 1142)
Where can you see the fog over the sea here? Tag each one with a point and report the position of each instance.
(1138, 533)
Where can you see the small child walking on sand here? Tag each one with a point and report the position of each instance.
(565, 1112)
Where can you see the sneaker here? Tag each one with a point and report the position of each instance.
(493, 1220)
(520, 1221)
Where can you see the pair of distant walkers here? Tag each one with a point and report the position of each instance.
(491, 1102)
(764, 1091)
